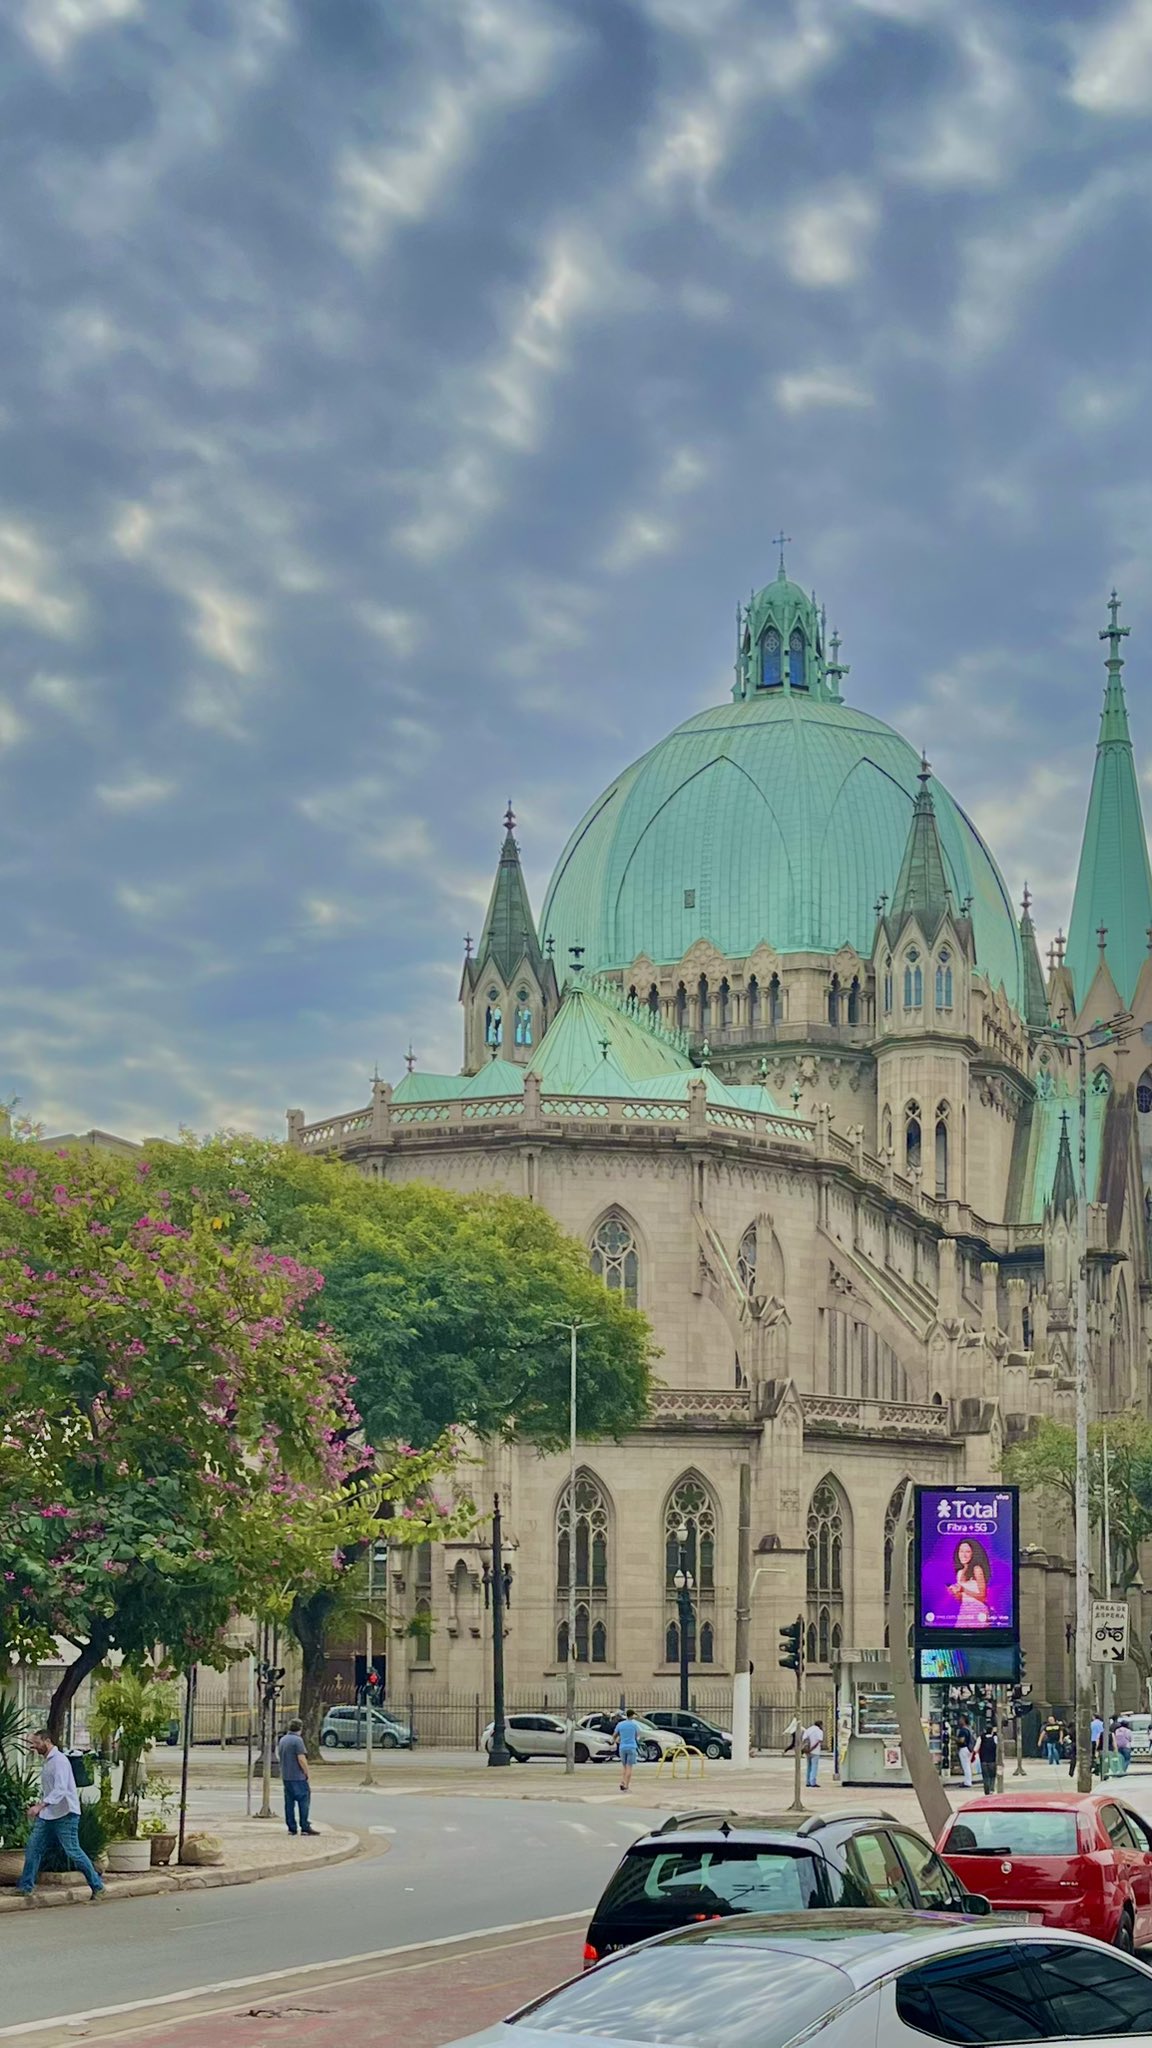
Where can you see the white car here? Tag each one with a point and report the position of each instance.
(845, 1979)
(529, 1735)
(653, 1743)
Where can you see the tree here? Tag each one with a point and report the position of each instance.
(1045, 1464)
(131, 1710)
(178, 1442)
(446, 1307)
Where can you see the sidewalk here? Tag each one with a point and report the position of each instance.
(253, 1849)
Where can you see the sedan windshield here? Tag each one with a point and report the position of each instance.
(1015, 1831)
(694, 1996)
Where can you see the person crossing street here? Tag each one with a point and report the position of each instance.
(57, 1819)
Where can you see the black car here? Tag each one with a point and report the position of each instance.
(707, 1866)
(699, 1734)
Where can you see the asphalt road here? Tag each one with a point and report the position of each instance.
(454, 1865)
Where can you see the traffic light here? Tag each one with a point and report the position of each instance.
(791, 1639)
(271, 1682)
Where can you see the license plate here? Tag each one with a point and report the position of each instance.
(1014, 1919)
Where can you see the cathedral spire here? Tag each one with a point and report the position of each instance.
(1062, 1200)
(509, 934)
(922, 888)
(1114, 881)
(1035, 995)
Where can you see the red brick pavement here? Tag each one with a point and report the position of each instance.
(419, 2003)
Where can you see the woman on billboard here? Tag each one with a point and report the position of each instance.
(970, 1584)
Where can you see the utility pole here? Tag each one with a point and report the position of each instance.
(494, 1578)
(742, 1672)
(1083, 1564)
(369, 1689)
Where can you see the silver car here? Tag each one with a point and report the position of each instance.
(844, 1980)
(529, 1735)
(347, 1728)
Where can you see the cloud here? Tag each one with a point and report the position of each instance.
(53, 27)
(1113, 68)
(135, 792)
(1000, 266)
(400, 631)
(224, 627)
(801, 391)
(65, 694)
(30, 583)
(977, 120)
(827, 237)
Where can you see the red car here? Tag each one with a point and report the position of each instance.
(1077, 1860)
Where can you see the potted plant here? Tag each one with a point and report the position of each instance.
(129, 1852)
(132, 1709)
(157, 1826)
(19, 1787)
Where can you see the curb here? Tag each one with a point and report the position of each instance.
(189, 1879)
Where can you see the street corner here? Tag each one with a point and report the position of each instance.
(253, 1850)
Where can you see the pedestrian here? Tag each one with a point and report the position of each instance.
(989, 1750)
(1122, 1743)
(57, 1819)
(628, 1747)
(965, 1750)
(295, 1778)
(1097, 1733)
(811, 1744)
(1050, 1738)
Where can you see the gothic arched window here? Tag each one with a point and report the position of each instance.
(681, 1006)
(944, 979)
(912, 1137)
(797, 679)
(886, 1129)
(770, 659)
(493, 1019)
(707, 1644)
(826, 1543)
(422, 1632)
(753, 1000)
(599, 1643)
(854, 1000)
(523, 1017)
(887, 985)
(704, 1005)
(654, 1000)
(724, 1005)
(587, 1558)
(671, 1644)
(834, 1000)
(614, 1258)
(942, 1151)
(913, 980)
(775, 1000)
(690, 1547)
(746, 1260)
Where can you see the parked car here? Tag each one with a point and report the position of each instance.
(1141, 1726)
(711, 1865)
(347, 1728)
(844, 1980)
(529, 1735)
(1082, 1861)
(699, 1734)
(653, 1742)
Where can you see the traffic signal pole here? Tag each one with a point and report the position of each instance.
(792, 1644)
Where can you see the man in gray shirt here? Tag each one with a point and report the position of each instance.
(294, 1778)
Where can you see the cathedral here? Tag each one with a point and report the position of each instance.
(782, 1053)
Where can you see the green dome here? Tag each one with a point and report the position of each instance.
(778, 817)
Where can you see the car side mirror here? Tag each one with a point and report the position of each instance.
(975, 1902)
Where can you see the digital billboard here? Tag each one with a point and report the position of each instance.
(966, 1564)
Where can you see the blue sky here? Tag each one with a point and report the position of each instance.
(395, 403)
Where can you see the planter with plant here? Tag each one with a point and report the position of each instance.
(157, 1826)
(19, 1788)
(131, 1711)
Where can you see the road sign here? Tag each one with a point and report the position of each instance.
(1109, 1631)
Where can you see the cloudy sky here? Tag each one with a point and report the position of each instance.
(395, 400)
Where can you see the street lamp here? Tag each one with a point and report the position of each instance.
(498, 1588)
(683, 1583)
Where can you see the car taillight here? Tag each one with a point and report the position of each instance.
(590, 1955)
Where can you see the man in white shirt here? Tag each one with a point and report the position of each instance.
(57, 1817)
(811, 1744)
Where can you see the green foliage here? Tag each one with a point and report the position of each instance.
(131, 1709)
(1045, 1463)
(447, 1307)
(19, 1784)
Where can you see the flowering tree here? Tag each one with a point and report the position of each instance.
(177, 1440)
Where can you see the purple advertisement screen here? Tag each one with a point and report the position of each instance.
(967, 1547)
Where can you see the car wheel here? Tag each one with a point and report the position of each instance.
(581, 1753)
(388, 1741)
(331, 1740)
(712, 1750)
(1125, 1933)
(650, 1752)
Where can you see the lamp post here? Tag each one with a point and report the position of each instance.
(498, 1588)
(683, 1582)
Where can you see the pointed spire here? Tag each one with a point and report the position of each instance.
(1035, 995)
(1062, 1201)
(922, 888)
(1114, 880)
(509, 933)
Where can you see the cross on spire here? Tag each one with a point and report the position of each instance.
(409, 1057)
(783, 540)
(509, 817)
(467, 945)
(1027, 899)
(1060, 944)
(1101, 936)
(925, 773)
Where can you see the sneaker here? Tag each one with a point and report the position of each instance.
(97, 1894)
(309, 1831)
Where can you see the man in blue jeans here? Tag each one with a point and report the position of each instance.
(57, 1818)
(294, 1778)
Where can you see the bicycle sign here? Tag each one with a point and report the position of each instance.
(1109, 1631)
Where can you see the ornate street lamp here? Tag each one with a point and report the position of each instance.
(498, 1589)
(683, 1583)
